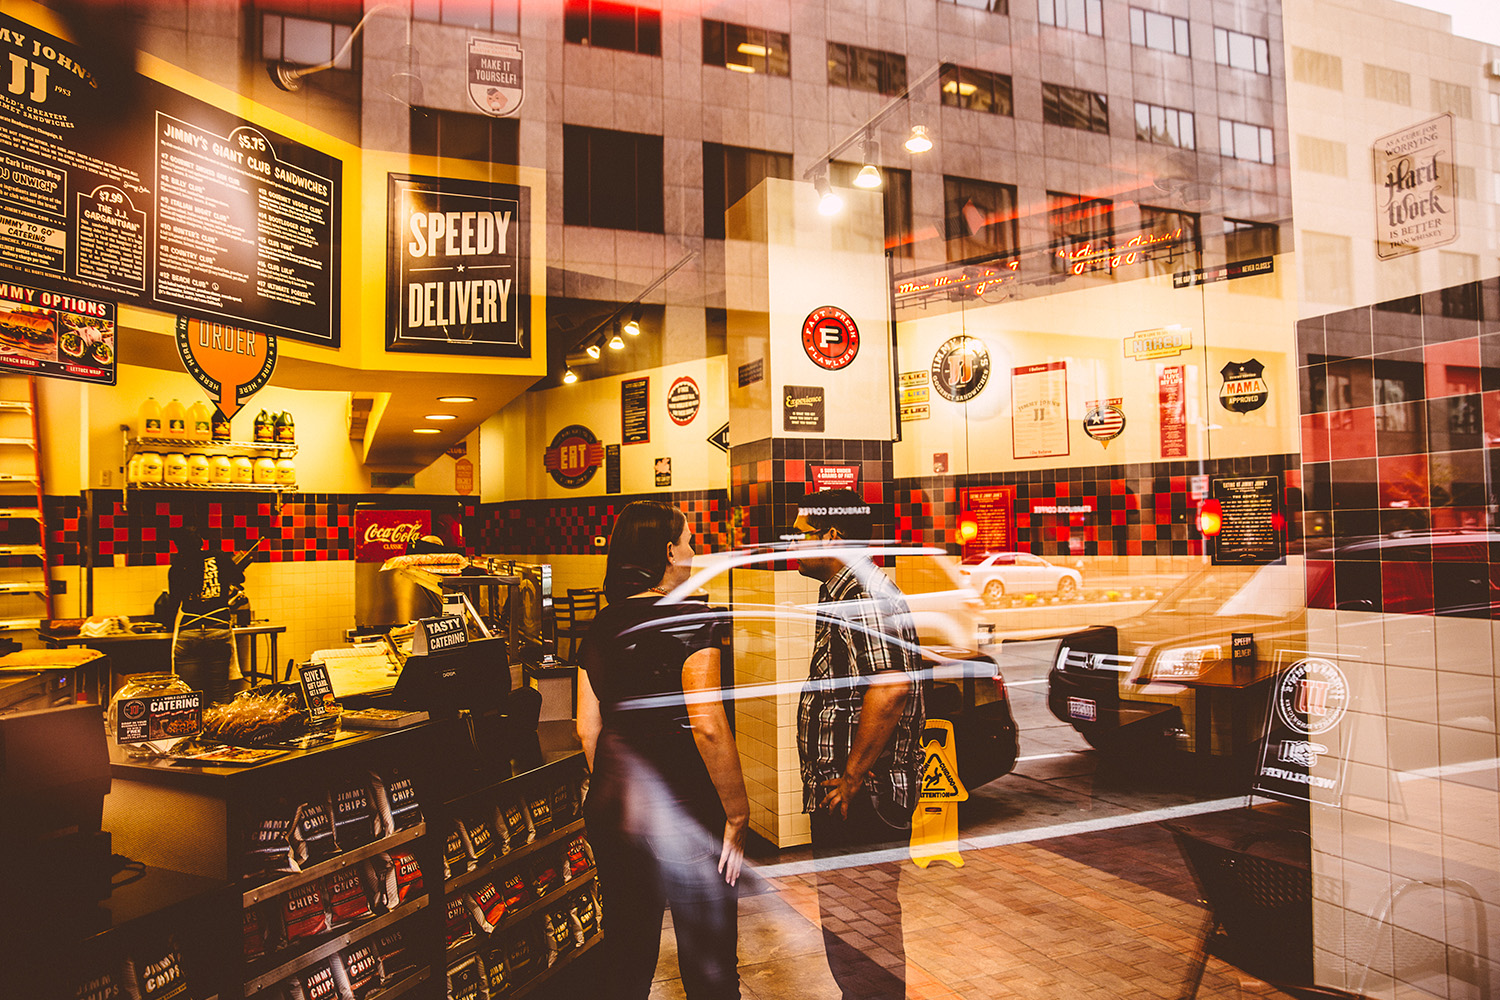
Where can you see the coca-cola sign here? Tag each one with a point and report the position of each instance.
(381, 534)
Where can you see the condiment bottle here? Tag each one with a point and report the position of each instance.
(240, 470)
(286, 472)
(150, 418)
(219, 425)
(133, 469)
(149, 471)
(220, 470)
(175, 467)
(174, 420)
(265, 470)
(285, 430)
(198, 471)
(265, 431)
(198, 422)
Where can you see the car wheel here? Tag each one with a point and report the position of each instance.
(1067, 588)
(993, 592)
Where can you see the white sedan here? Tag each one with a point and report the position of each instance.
(994, 574)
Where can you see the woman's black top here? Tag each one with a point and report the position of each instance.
(203, 584)
(634, 654)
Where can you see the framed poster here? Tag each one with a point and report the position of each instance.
(802, 408)
(1250, 520)
(635, 410)
(992, 510)
(1039, 410)
(458, 267)
(1171, 401)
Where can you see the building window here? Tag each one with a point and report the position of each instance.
(1159, 31)
(1322, 156)
(612, 180)
(730, 173)
(977, 90)
(1246, 142)
(1233, 48)
(745, 49)
(1391, 85)
(979, 218)
(303, 41)
(1328, 270)
(1164, 126)
(993, 6)
(1317, 68)
(866, 69)
(895, 195)
(1079, 15)
(606, 25)
(1082, 231)
(456, 135)
(1184, 251)
(1249, 240)
(1074, 108)
(481, 15)
(1453, 98)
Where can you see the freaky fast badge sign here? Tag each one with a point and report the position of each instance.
(830, 337)
(458, 267)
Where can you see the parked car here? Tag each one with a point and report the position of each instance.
(960, 684)
(995, 574)
(1129, 685)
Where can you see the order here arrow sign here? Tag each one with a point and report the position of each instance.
(720, 438)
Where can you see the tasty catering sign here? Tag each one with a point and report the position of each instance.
(458, 267)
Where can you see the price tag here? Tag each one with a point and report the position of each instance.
(317, 689)
(439, 635)
(164, 717)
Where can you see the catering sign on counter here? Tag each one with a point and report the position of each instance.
(59, 336)
(162, 200)
(458, 267)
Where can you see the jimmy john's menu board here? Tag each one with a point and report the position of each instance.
(162, 199)
(60, 336)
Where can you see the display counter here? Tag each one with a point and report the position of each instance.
(144, 652)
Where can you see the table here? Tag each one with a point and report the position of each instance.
(137, 647)
(1219, 680)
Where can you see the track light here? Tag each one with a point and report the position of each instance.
(615, 342)
(593, 350)
(828, 202)
(633, 325)
(919, 141)
(570, 376)
(869, 174)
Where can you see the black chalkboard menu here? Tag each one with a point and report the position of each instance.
(170, 202)
(635, 410)
(1250, 530)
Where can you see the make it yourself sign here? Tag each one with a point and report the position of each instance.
(497, 85)
(232, 364)
(458, 267)
(1415, 208)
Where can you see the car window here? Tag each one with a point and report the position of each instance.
(1273, 591)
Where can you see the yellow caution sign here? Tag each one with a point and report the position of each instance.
(934, 828)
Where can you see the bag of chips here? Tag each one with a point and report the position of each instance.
(360, 968)
(395, 802)
(562, 805)
(269, 841)
(96, 981)
(575, 924)
(544, 878)
(559, 930)
(460, 926)
(455, 854)
(521, 958)
(583, 912)
(580, 858)
(408, 876)
(256, 921)
(477, 840)
(303, 912)
(502, 832)
(519, 830)
(488, 907)
(514, 891)
(312, 835)
(354, 814)
(495, 975)
(155, 973)
(466, 979)
(318, 981)
(348, 899)
(539, 812)
(396, 957)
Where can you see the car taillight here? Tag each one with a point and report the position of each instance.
(1000, 692)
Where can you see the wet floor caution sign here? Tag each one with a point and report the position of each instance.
(934, 828)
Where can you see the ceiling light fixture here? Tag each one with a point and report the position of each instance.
(570, 376)
(919, 141)
(828, 202)
(616, 343)
(739, 67)
(455, 399)
(440, 416)
(869, 174)
(633, 325)
(425, 430)
(593, 350)
(751, 49)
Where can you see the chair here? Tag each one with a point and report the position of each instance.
(568, 626)
(586, 602)
(1260, 914)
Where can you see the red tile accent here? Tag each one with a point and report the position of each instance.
(1314, 437)
(796, 470)
(1491, 402)
(1351, 433)
(1452, 367)
(1403, 481)
(1406, 588)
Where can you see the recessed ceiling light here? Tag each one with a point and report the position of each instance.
(455, 399)
(440, 416)
(424, 430)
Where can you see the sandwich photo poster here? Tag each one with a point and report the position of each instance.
(56, 335)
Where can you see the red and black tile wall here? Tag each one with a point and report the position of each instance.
(1400, 411)
(569, 527)
(768, 478)
(1145, 509)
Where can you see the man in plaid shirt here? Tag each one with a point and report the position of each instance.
(859, 730)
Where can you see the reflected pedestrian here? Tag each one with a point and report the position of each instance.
(667, 809)
(859, 729)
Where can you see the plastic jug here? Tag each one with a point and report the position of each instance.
(241, 471)
(285, 431)
(149, 471)
(198, 422)
(174, 420)
(265, 470)
(265, 430)
(286, 472)
(220, 470)
(149, 425)
(198, 471)
(219, 425)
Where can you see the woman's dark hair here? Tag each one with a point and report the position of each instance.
(638, 547)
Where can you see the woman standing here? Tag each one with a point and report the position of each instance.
(667, 807)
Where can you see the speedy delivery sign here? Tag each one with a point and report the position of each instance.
(458, 269)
